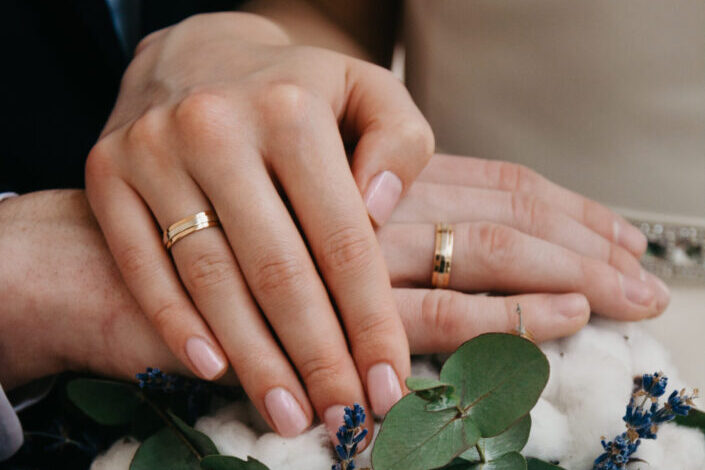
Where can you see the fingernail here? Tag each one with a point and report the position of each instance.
(571, 305)
(382, 196)
(333, 417)
(629, 237)
(286, 413)
(204, 358)
(383, 388)
(663, 293)
(636, 291)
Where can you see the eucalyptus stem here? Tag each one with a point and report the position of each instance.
(480, 452)
(171, 424)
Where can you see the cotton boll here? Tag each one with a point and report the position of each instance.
(231, 437)
(550, 433)
(554, 353)
(118, 457)
(310, 451)
(256, 421)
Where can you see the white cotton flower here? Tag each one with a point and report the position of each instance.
(308, 451)
(550, 432)
(118, 456)
(230, 435)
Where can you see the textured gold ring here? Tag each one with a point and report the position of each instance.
(442, 256)
(189, 225)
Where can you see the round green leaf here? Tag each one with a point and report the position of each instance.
(412, 438)
(200, 442)
(164, 451)
(225, 462)
(106, 402)
(498, 378)
(512, 440)
(424, 383)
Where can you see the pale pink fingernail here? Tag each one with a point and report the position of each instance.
(382, 196)
(663, 293)
(204, 358)
(571, 305)
(629, 236)
(636, 291)
(382, 387)
(333, 418)
(285, 411)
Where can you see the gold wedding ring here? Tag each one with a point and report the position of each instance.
(187, 226)
(442, 256)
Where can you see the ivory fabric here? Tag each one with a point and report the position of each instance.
(606, 97)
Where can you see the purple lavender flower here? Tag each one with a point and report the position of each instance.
(643, 419)
(349, 436)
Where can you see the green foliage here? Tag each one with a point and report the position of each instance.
(536, 464)
(495, 380)
(106, 402)
(512, 440)
(694, 419)
(165, 450)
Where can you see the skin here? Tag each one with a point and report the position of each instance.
(76, 313)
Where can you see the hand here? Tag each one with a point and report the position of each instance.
(221, 112)
(514, 232)
(63, 304)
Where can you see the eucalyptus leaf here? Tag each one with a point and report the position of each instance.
(439, 395)
(509, 461)
(694, 419)
(106, 402)
(497, 377)
(537, 464)
(226, 462)
(165, 451)
(416, 384)
(200, 442)
(412, 438)
(512, 440)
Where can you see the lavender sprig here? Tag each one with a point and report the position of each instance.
(643, 419)
(349, 436)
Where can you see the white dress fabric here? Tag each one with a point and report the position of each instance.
(604, 97)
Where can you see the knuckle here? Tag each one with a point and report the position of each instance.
(418, 134)
(279, 273)
(208, 270)
(323, 368)
(203, 116)
(137, 262)
(496, 245)
(528, 211)
(285, 105)
(347, 249)
(374, 333)
(99, 164)
(163, 317)
(439, 310)
(515, 177)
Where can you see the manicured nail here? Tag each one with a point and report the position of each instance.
(382, 196)
(636, 291)
(629, 236)
(383, 388)
(571, 305)
(285, 411)
(663, 293)
(333, 418)
(204, 358)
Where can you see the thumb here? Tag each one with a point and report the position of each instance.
(394, 140)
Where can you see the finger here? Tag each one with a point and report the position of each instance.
(212, 277)
(430, 202)
(394, 141)
(136, 245)
(491, 257)
(507, 176)
(440, 320)
(343, 243)
(280, 274)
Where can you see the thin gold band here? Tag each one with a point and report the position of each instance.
(442, 256)
(187, 226)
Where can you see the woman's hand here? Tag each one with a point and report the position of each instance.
(221, 113)
(515, 232)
